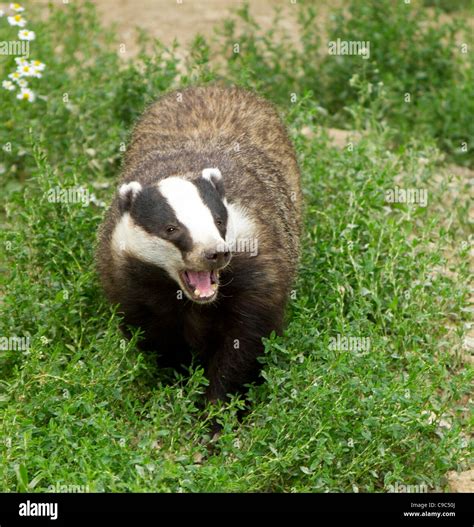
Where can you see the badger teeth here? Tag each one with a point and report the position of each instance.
(197, 292)
(214, 287)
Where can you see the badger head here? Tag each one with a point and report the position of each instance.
(179, 225)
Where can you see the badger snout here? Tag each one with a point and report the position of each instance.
(216, 259)
(211, 256)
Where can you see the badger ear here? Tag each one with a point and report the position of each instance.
(214, 176)
(127, 193)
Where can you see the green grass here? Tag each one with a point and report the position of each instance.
(82, 406)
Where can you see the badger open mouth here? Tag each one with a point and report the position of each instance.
(201, 285)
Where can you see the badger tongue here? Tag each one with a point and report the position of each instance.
(201, 281)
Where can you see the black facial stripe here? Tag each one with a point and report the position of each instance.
(213, 202)
(151, 211)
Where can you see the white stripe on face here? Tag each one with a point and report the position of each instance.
(240, 226)
(184, 198)
(129, 238)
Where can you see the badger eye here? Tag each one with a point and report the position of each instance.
(171, 229)
(219, 222)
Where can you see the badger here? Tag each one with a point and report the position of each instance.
(200, 245)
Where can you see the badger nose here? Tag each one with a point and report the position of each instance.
(217, 259)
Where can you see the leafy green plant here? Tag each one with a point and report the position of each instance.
(421, 60)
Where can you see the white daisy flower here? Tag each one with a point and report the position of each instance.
(20, 61)
(25, 70)
(14, 76)
(8, 85)
(26, 95)
(35, 73)
(17, 8)
(16, 20)
(22, 83)
(25, 34)
(38, 65)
